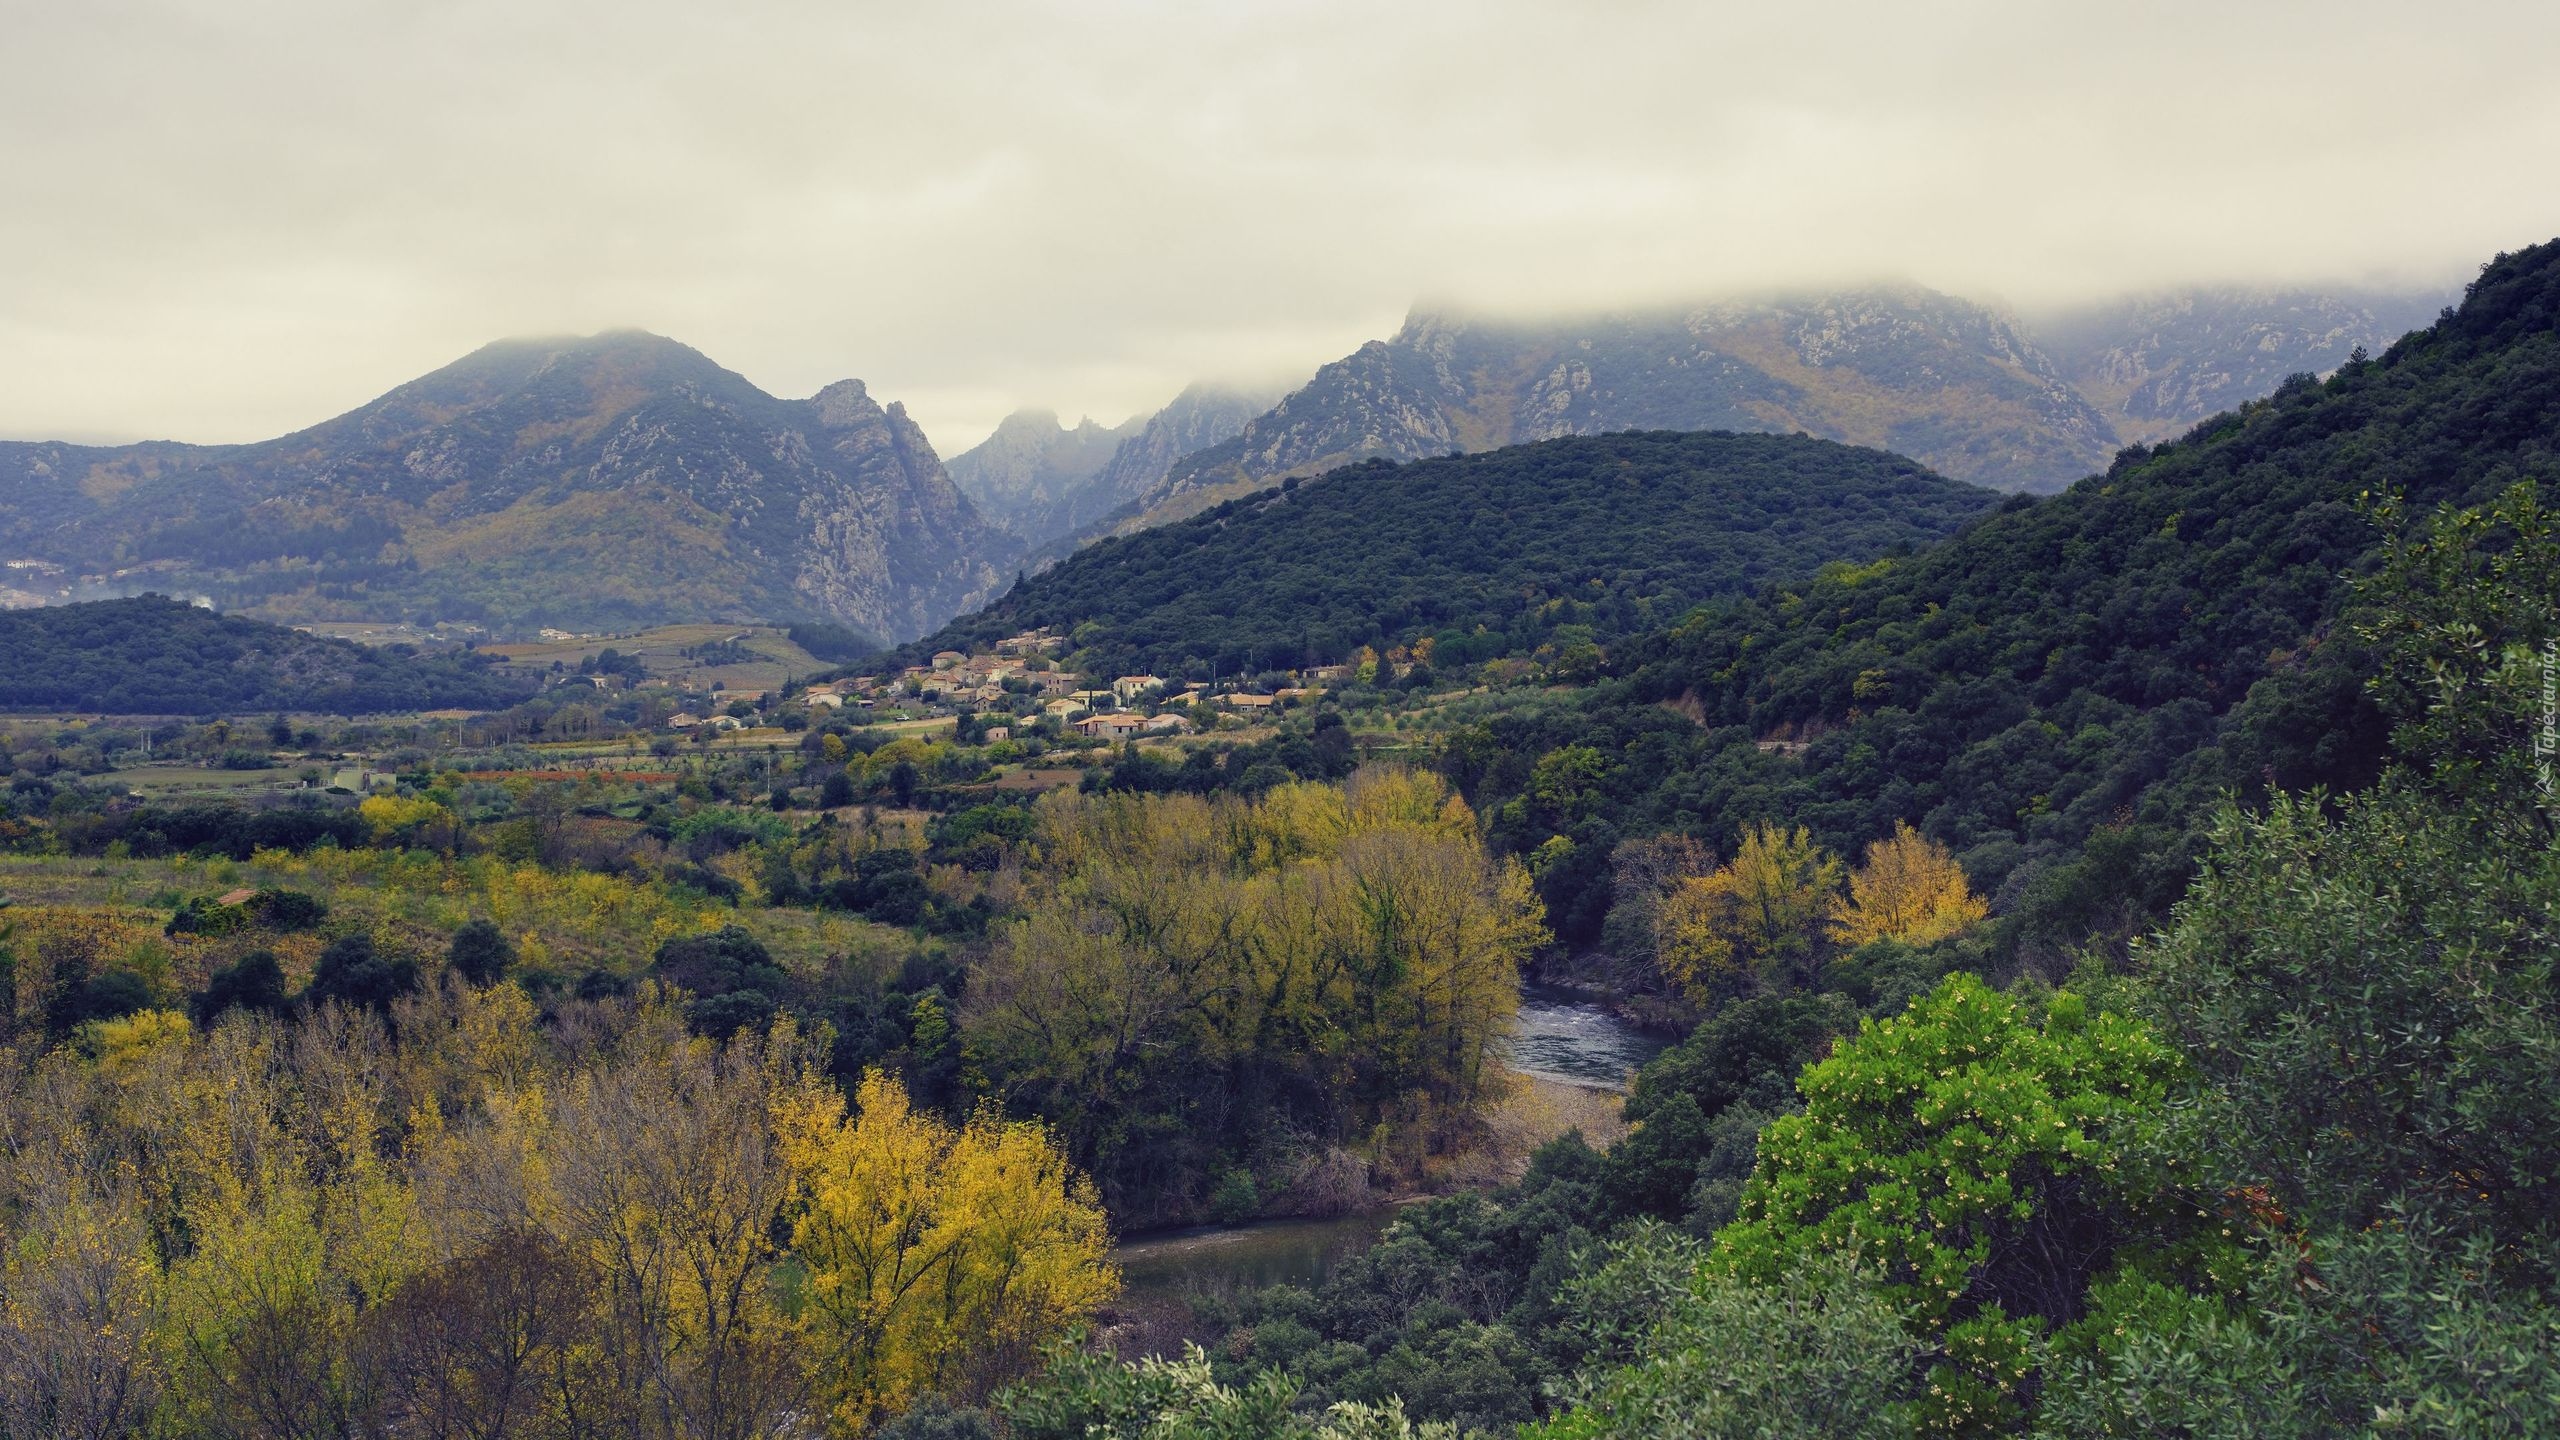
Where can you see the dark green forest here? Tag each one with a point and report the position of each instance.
(2061, 692)
(1491, 554)
(150, 655)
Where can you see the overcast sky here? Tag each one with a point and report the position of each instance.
(226, 219)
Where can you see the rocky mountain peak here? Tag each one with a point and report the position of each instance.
(846, 402)
(585, 481)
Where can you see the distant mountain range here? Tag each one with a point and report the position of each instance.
(1961, 387)
(1032, 466)
(623, 479)
(1044, 482)
(615, 480)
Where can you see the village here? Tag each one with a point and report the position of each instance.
(1014, 691)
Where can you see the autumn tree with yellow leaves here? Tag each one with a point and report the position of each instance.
(1200, 983)
(1910, 889)
(937, 1259)
(1766, 917)
(461, 1222)
(1756, 919)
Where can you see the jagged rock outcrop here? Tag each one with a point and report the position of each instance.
(1200, 417)
(1966, 388)
(1045, 482)
(1953, 384)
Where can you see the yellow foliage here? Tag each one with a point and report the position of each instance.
(1910, 889)
(51, 941)
(922, 754)
(123, 1045)
(574, 912)
(1363, 921)
(78, 1273)
(936, 1259)
(391, 817)
(1756, 916)
(241, 1229)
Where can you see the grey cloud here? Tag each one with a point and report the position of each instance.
(225, 220)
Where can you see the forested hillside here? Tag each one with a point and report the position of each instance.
(2059, 692)
(2026, 1089)
(1494, 554)
(155, 656)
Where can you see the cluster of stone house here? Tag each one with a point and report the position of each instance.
(855, 693)
(957, 679)
(973, 679)
(1031, 642)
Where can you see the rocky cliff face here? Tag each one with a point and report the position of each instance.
(1033, 468)
(2158, 364)
(1045, 482)
(1949, 383)
(1198, 418)
(617, 479)
(1965, 388)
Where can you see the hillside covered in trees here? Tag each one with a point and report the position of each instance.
(2060, 692)
(1489, 554)
(151, 655)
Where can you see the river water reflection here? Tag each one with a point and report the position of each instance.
(1246, 1257)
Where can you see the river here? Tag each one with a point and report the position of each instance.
(1561, 1037)
(1556, 1037)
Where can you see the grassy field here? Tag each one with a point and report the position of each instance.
(163, 781)
(662, 651)
(409, 901)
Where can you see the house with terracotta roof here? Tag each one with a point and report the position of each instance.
(1112, 727)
